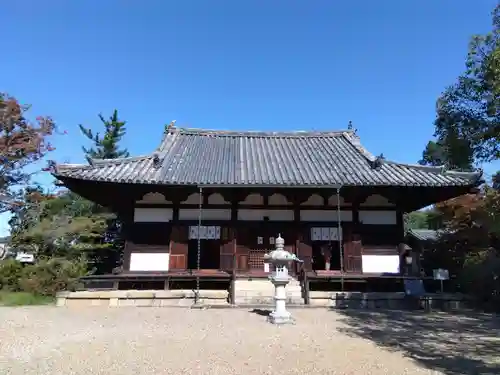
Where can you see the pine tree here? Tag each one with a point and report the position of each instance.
(106, 147)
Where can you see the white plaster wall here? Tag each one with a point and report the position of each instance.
(278, 200)
(149, 261)
(380, 263)
(324, 215)
(193, 199)
(253, 199)
(152, 215)
(378, 217)
(217, 198)
(314, 200)
(258, 215)
(154, 197)
(206, 214)
(376, 200)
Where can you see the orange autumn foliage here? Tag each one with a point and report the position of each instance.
(22, 142)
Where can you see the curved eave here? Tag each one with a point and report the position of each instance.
(137, 174)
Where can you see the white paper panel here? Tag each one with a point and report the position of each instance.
(149, 261)
(258, 215)
(210, 233)
(206, 233)
(193, 232)
(324, 215)
(334, 234)
(325, 234)
(152, 215)
(206, 214)
(380, 263)
(316, 234)
(378, 217)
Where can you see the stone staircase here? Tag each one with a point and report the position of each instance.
(261, 292)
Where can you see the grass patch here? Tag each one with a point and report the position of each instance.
(23, 299)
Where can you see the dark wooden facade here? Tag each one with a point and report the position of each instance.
(238, 248)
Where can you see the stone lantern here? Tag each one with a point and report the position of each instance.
(280, 259)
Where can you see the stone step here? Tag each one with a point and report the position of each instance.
(261, 291)
(261, 284)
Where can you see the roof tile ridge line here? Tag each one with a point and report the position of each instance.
(163, 138)
(122, 160)
(356, 143)
(434, 168)
(260, 133)
(72, 165)
(430, 168)
(166, 143)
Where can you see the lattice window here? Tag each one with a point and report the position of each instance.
(256, 259)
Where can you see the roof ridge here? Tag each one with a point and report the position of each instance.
(103, 162)
(255, 133)
(121, 160)
(435, 168)
(355, 141)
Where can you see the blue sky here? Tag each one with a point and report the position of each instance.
(252, 65)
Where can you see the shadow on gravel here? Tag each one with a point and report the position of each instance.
(455, 344)
(261, 312)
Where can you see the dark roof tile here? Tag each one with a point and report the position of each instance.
(201, 157)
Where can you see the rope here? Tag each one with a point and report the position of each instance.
(198, 255)
(339, 234)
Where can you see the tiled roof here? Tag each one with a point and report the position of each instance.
(201, 157)
(424, 234)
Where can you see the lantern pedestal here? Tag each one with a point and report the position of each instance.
(280, 315)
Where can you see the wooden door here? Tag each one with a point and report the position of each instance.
(242, 247)
(304, 248)
(178, 248)
(259, 244)
(353, 251)
(227, 249)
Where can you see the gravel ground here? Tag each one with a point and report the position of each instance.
(49, 340)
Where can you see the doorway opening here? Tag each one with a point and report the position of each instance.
(323, 251)
(209, 254)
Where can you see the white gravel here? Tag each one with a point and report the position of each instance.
(50, 340)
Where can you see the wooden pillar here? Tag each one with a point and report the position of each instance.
(232, 286)
(296, 226)
(226, 249)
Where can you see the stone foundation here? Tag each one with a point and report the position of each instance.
(155, 298)
(254, 293)
(386, 300)
(261, 292)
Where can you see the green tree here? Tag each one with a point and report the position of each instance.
(467, 126)
(27, 213)
(430, 218)
(68, 226)
(99, 224)
(451, 152)
(495, 181)
(416, 220)
(107, 145)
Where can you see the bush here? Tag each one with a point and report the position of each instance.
(10, 274)
(23, 299)
(480, 277)
(52, 275)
